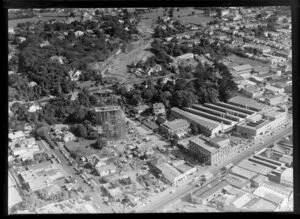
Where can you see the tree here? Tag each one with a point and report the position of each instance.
(42, 132)
(81, 131)
(100, 143)
(194, 128)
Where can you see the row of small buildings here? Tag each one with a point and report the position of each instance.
(263, 182)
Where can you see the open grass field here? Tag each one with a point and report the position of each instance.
(236, 60)
(14, 23)
(195, 19)
(151, 17)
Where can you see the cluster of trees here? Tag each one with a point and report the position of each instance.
(52, 78)
(165, 30)
(260, 30)
(209, 84)
(163, 51)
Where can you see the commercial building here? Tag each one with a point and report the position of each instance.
(183, 167)
(242, 70)
(178, 127)
(259, 205)
(275, 196)
(203, 121)
(258, 180)
(237, 181)
(272, 119)
(247, 174)
(207, 192)
(287, 177)
(257, 168)
(169, 173)
(282, 175)
(210, 150)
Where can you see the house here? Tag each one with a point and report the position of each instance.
(74, 75)
(34, 107)
(105, 170)
(159, 109)
(59, 59)
(11, 30)
(68, 137)
(44, 43)
(178, 127)
(141, 108)
(16, 136)
(156, 68)
(78, 33)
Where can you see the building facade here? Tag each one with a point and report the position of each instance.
(210, 151)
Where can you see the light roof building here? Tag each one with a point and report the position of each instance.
(14, 136)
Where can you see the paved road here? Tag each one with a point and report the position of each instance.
(162, 203)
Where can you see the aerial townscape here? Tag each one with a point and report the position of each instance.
(150, 110)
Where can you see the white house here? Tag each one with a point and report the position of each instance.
(68, 137)
(79, 33)
(16, 136)
(34, 107)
